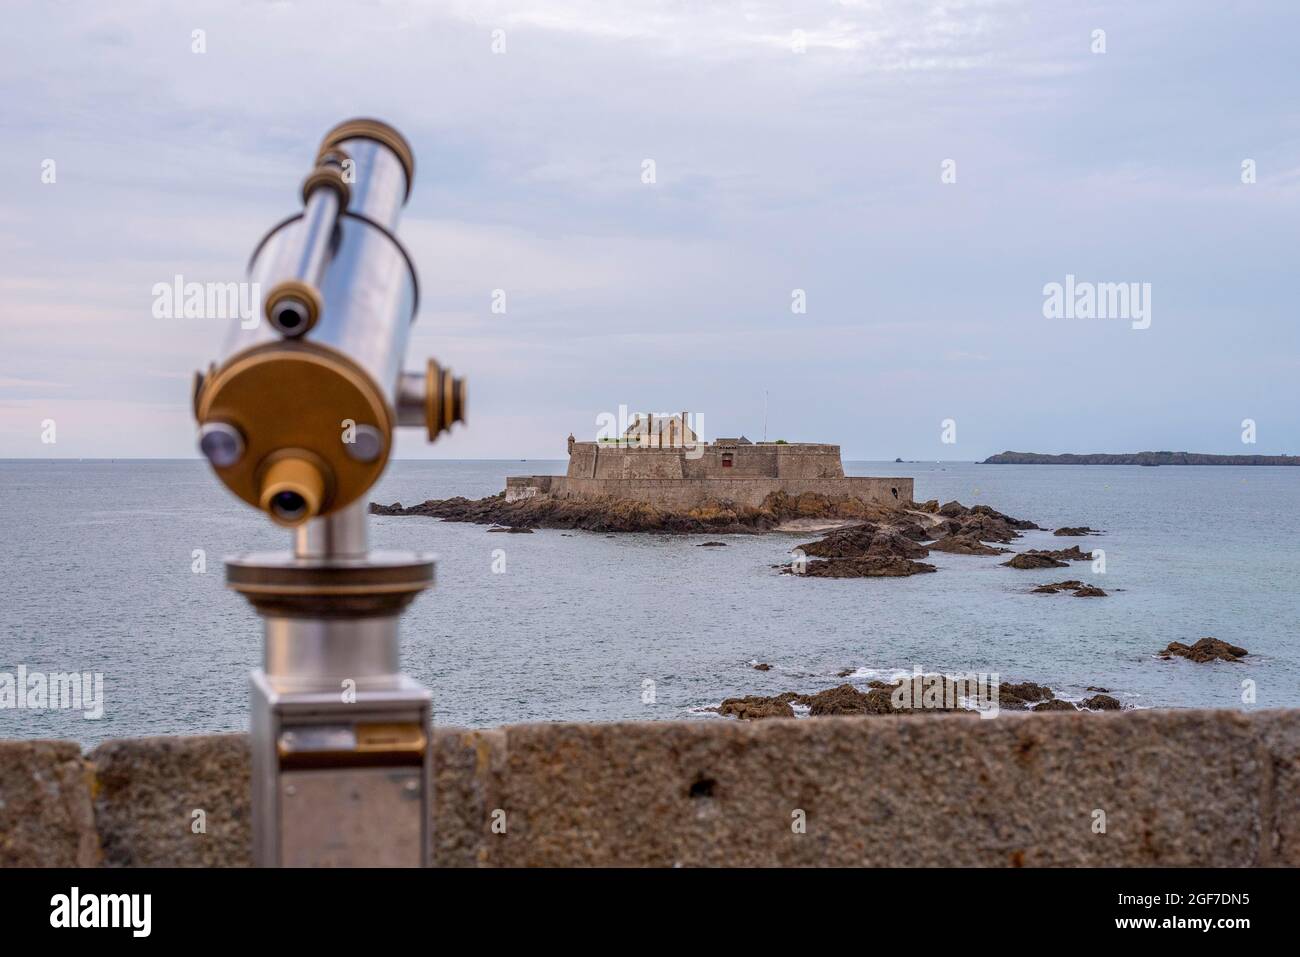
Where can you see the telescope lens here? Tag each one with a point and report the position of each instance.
(292, 489)
(290, 317)
(288, 505)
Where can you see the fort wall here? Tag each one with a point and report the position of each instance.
(724, 471)
(676, 493)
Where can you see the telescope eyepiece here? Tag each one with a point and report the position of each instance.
(289, 316)
(293, 307)
(288, 506)
(293, 489)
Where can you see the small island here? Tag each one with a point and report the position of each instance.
(1137, 458)
(660, 477)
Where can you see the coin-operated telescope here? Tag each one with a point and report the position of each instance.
(297, 419)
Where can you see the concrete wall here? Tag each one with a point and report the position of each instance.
(1178, 788)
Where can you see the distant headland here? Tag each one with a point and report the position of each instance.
(1138, 458)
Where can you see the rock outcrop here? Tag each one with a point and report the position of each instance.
(1029, 560)
(1080, 589)
(926, 694)
(753, 707)
(627, 515)
(871, 566)
(965, 545)
(1102, 702)
(1206, 649)
(846, 699)
(1022, 694)
(1048, 558)
(1054, 704)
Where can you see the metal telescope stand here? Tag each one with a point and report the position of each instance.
(340, 737)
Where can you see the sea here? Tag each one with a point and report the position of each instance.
(114, 568)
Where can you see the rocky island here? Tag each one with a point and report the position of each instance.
(1138, 458)
(660, 478)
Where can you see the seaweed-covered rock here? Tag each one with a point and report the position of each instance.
(1028, 560)
(913, 530)
(1054, 704)
(871, 566)
(1101, 702)
(1206, 649)
(842, 543)
(894, 544)
(753, 707)
(606, 514)
(1080, 589)
(866, 540)
(989, 528)
(1072, 554)
(1018, 523)
(909, 695)
(846, 699)
(1024, 691)
(965, 545)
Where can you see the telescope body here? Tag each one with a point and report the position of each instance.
(298, 413)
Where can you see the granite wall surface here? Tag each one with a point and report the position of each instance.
(1142, 788)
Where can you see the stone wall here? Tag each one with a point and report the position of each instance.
(671, 493)
(1177, 788)
(802, 460)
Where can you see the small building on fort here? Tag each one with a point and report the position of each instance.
(659, 460)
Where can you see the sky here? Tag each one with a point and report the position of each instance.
(917, 172)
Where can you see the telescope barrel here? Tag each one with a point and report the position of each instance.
(297, 415)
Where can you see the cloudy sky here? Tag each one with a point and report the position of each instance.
(775, 170)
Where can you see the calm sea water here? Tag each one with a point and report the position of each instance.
(96, 575)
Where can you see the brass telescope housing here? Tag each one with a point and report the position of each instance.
(297, 416)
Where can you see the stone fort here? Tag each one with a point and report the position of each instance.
(660, 461)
